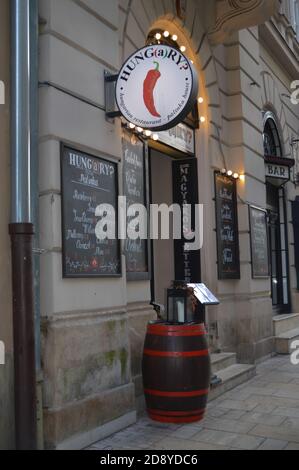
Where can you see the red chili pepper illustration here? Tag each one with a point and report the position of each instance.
(148, 90)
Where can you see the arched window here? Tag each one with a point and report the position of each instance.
(272, 146)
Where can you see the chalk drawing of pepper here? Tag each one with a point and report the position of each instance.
(148, 90)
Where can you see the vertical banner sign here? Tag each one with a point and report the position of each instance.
(295, 214)
(185, 191)
(259, 243)
(134, 178)
(227, 227)
(87, 182)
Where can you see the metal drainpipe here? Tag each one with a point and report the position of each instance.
(21, 227)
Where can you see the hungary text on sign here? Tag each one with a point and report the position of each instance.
(87, 182)
(156, 87)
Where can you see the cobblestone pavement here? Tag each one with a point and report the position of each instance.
(261, 414)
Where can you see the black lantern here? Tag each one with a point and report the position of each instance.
(181, 303)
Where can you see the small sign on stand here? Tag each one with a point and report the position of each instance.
(205, 297)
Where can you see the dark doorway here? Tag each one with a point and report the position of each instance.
(169, 261)
(278, 249)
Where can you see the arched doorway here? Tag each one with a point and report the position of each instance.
(277, 223)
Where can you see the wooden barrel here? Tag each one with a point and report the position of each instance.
(176, 372)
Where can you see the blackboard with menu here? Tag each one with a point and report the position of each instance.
(135, 191)
(227, 227)
(259, 243)
(87, 182)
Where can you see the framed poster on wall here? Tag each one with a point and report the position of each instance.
(135, 183)
(86, 182)
(228, 258)
(259, 243)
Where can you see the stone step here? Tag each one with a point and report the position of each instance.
(222, 360)
(284, 323)
(232, 376)
(283, 342)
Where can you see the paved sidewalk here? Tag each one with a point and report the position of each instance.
(260, 414)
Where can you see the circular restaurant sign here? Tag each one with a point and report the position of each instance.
(156, 88)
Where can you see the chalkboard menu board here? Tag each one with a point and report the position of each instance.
(227, 227)
(185, 191)
(87, 182)
(259, 242)
(135, 190)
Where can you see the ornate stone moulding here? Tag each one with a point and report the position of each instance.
(234, 15)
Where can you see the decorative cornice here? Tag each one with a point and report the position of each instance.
(234, 15)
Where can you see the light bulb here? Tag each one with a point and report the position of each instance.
(148, 133)
(139, 129)
(229, 173)
(158, 36)
(236, 176)
(174, 37)
(200, 99)
(183, 48)
(223, 171)
(202, 119)
(166, 34)
(132, 126)
(155, 137)
(242, 178)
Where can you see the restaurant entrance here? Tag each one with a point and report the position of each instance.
(173, 181)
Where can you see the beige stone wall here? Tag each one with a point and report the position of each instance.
(86, 323)
(6, 371)
(93, 330)
(245, 316)
(276, 89)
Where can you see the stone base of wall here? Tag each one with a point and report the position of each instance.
(255, 352)
(245, 327)
(87, 374)
(7, 431)
(295, 301)
(82, 441)
(139, 315)
(80, 424)
(92, 373)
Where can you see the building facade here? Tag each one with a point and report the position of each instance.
(244, 124)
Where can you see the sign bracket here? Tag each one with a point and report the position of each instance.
(110, 107)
